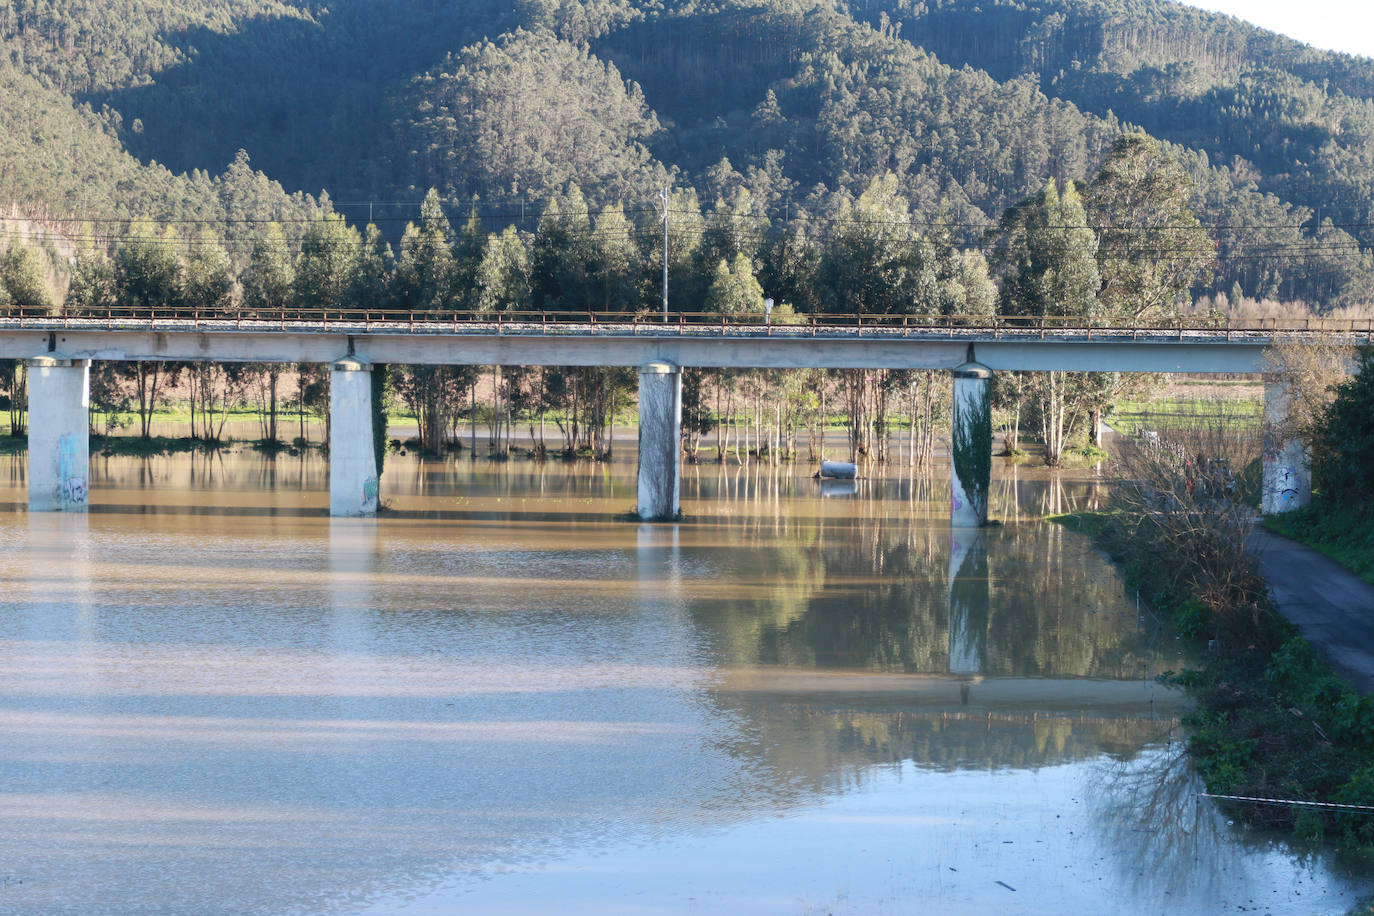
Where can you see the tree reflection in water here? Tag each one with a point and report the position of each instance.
(1149, 802)
(881, 585)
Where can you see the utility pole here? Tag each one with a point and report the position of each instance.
(665, 255)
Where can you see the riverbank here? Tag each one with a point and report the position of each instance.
(1274, 720)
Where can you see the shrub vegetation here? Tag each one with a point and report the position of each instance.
(1273, 721)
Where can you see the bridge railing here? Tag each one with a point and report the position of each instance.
(534, 322)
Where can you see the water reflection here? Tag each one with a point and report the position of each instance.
(251, 707)
(834, 489)
(970, 590)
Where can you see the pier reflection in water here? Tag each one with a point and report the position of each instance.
(503, 696)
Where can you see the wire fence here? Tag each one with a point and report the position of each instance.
(1332, 806)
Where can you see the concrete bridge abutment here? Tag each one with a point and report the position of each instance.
(1287, 475)
(59, 437)
(660, 441)
(353, 484)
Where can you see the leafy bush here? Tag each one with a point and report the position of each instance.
(1341, 451)
(1292, 664)
(1223, 760)
(1190, 618)
(1358, 827)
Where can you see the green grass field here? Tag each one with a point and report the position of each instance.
(1182, 412)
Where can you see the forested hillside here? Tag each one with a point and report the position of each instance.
(787, 109)
(1298, 121)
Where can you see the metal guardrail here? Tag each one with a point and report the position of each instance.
(536, 323)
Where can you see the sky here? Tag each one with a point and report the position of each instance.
(1338, 25)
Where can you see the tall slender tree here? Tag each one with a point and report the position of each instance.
(424, 272)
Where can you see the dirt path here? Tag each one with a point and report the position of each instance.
(1333, 607)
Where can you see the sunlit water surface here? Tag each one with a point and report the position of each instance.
(504, 696)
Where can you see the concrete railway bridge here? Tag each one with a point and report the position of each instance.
(59, 347)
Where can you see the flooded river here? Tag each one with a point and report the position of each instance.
(504, 697)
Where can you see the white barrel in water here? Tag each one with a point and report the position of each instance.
(839, 470)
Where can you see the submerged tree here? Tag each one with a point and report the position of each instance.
(1048, 253)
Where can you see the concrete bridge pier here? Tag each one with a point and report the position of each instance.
(1287, 478)
(970, 446)
(59, 439)
(660, 441)
(353, 483)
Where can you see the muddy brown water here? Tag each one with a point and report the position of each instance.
(503, 696)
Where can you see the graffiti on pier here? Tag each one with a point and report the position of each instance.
(74, 491)
(1289, 482)
(370, 490)
(71, 476)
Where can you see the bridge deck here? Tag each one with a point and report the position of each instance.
(690, 339)
(690, 324)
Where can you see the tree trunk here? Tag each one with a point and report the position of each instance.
(272, 375)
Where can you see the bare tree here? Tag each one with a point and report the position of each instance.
(1311, 372)
(1186, 499)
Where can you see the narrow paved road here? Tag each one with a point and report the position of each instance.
(1333, 607)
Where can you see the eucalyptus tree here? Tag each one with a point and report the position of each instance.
(425, 270)
(616, 263)
(788, 262)
(22, 281)
(1049, 254)
(735, 226)
(576, 264)
(326, 276)
(269, 281)
(374, 277)
(469, 248)
(425, 281)
(92, 291)
(209, 282)
(501, 281)
(149, 274)
(734, 288)
(22, 286)
(269, 287)
(875, 263)
(1151, 249)
(685, 230)
(327, 263)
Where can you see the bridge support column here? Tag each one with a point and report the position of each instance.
(59, 440)
(970, 447)
(660, 441)
(1287, 480)
(352, 461)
